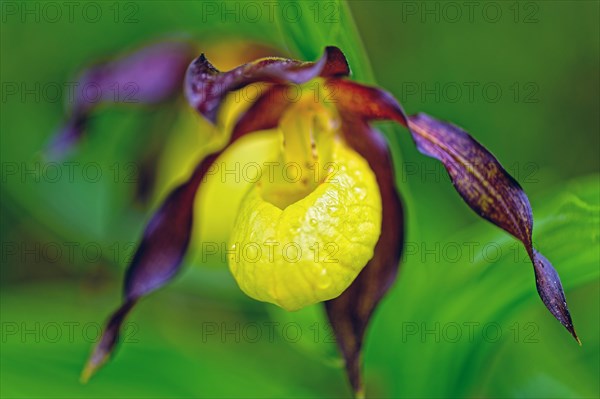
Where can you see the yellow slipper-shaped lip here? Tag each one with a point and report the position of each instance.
(314, 248)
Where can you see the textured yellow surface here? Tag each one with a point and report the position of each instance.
(312, 249)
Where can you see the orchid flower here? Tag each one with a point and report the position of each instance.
(347, 196)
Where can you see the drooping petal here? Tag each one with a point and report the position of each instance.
(149, 75)
(108, 341)
(491, 192)
(158, 258)
(350, 313)
(206, 87)
(476, 174)
(156, 261)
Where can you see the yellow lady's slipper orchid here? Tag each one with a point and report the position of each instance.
(334, 232)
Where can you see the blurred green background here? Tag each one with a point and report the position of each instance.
(463, 319)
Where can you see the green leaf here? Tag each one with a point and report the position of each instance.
(420, 344)
(48, 328)
(309, 26)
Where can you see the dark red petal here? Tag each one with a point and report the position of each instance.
(107, 342)
(149, 75)
(491, 192)
(265, 112)
(368, 103)
(156, 261)
(206, 87)
(350, 313)
(478, 177)
(165, 239)
(158, 258)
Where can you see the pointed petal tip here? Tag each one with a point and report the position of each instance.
(359, 393)
(568, 325)
(565, 320)
(474, 172)
(337, 64)
(552, 293)
(203, 63)
(571, 329)
(86, 373)
(92, 366)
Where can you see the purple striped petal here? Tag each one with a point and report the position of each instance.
(158, 258)
(493, 194)
(206, 87)
(476, 174)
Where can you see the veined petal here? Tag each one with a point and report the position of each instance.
(493, 194)
(476, 174)
(149, 75)
(156, 261)
(158, 258)
(350, 313)
(206, 87)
